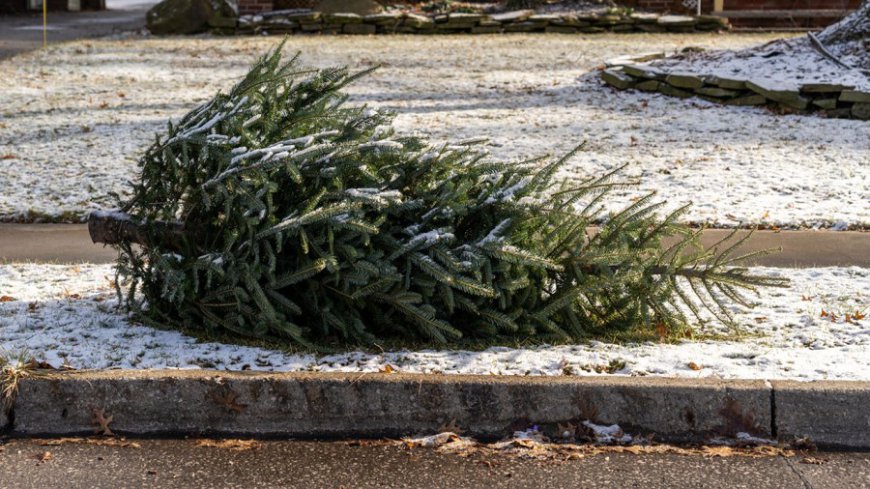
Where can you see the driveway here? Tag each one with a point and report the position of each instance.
(23, 32)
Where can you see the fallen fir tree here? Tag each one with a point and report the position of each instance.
(277, 211)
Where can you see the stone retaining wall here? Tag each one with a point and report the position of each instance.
(832, 100)
(307, 21)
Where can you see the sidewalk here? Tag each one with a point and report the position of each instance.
(23, 32)
(70, 243)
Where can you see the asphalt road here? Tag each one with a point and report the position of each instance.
(23, 32)
(274, 464)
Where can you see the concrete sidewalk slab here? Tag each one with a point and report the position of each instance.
(318, 405)
(803, 249)
(51, 243)
(71, 243)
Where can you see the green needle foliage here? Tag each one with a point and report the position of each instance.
(277, 211)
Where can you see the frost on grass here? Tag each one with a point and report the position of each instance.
(817, 329)
(74, 119)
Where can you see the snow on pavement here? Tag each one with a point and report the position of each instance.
(67, 314)
(74, 118)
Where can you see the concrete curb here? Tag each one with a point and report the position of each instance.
(325, 405)
(829, 413)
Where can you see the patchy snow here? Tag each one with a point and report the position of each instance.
(437, 440)
(74, 118)
(67, 314)
(608, 434)
(780, 65)
(741, 438)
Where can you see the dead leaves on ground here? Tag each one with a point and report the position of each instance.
(452, 443)
(235, 445)
(814, 460)
(226, 444)
(388, 369)
(851, 318)
(102, 442)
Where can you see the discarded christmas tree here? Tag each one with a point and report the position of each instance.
(277, 211)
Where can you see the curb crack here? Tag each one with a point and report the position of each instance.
(773, 427)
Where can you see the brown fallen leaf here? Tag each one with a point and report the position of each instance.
(804, 444)
(814, 461)
(99, 418)
(718, 451)
(6, 298)
(43, 457)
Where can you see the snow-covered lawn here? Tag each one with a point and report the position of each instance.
(67, 314)
(74, 118)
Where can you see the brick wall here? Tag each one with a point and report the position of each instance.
(256, 6)
(789, 4)
(676, 6)
(671, 6)
(292, 4)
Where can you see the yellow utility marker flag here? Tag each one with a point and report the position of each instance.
(44, 23)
